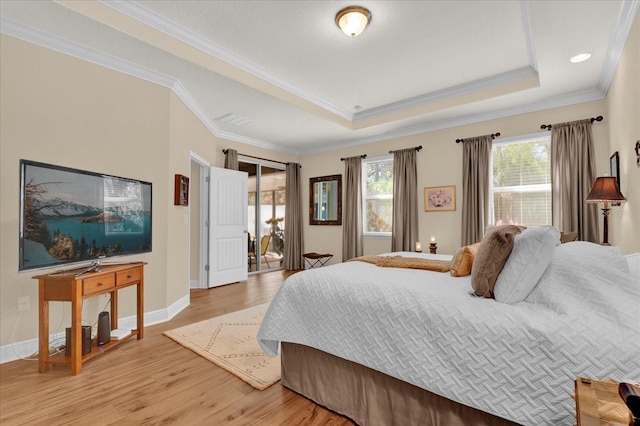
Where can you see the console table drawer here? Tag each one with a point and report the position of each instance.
(98, 284)
(129, 276)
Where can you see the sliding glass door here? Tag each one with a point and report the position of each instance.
(266, 207)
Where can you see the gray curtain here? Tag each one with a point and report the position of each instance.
(352, 218)
(231, 159)
(572, 175)
(475, 187)
(293, 238)
(404, 230)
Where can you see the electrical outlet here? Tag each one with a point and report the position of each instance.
(24, 303)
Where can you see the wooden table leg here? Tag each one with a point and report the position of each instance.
(140, 312)
(76, 328)
(114, 309)
(43, 335)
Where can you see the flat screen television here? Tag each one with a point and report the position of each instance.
(70, 216)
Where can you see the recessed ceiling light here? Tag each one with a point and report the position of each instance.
(580, 58)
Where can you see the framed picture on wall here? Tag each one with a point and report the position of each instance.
(181, 192)
(614, 170)
(439, 198)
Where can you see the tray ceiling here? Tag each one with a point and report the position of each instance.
(281, 75)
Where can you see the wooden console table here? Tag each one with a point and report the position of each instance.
(70, 286)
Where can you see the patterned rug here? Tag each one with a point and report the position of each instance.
(229, 341)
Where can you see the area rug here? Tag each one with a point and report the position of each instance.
(230, 342)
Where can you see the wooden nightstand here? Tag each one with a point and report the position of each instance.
(598, 403)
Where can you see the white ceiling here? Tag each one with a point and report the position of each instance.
(295, 83)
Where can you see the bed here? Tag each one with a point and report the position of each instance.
(404, 346)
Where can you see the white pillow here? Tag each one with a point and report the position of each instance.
(633, 260)
(532, 251)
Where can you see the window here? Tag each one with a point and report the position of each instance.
(377, 190)
(520, 190)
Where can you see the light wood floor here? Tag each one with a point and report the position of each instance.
(157, 381)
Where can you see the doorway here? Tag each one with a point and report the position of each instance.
(199, 222)
(265, 218)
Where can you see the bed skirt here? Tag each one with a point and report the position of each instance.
(370, 397)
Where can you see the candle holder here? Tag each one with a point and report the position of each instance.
(433, 247)
(418, 247)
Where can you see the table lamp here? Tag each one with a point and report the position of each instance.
(605, 190)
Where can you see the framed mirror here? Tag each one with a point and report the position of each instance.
(325, 200)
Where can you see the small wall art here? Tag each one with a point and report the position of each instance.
(614, 166)
(181, 192)
(614, 170)
(439, 198)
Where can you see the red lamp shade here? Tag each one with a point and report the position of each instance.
(605, 189)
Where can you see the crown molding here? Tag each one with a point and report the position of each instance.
(570, 99)
(466, 88)
(159, 23)
(625, 21)
(193, 105)
(60, 45)
(450, 92)
(66, 47)
(626, 18)
(528, 34)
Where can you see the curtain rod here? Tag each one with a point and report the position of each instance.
(224, 151)
(417, 148)
(493, 136)
(548, 126)
(363, 156)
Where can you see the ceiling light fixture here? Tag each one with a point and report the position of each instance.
(353, 20)
(580, 58)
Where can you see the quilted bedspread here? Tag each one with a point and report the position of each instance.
(514, 361)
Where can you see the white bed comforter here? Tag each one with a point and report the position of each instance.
(514, 361)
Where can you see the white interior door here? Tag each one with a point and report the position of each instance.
(228, 230)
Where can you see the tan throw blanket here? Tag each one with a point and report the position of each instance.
(406, 262)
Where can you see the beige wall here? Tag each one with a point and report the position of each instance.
(64, 111)
(623, 113)
(61, 110)
(439, 163)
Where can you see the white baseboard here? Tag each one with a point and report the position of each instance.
(25, 348)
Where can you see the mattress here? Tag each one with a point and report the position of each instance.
(515, 361)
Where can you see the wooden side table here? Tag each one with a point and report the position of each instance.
(598, 403)
(74, 287)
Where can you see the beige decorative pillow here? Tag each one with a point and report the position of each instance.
(567, 237)
(492, 254)
(463, 260)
